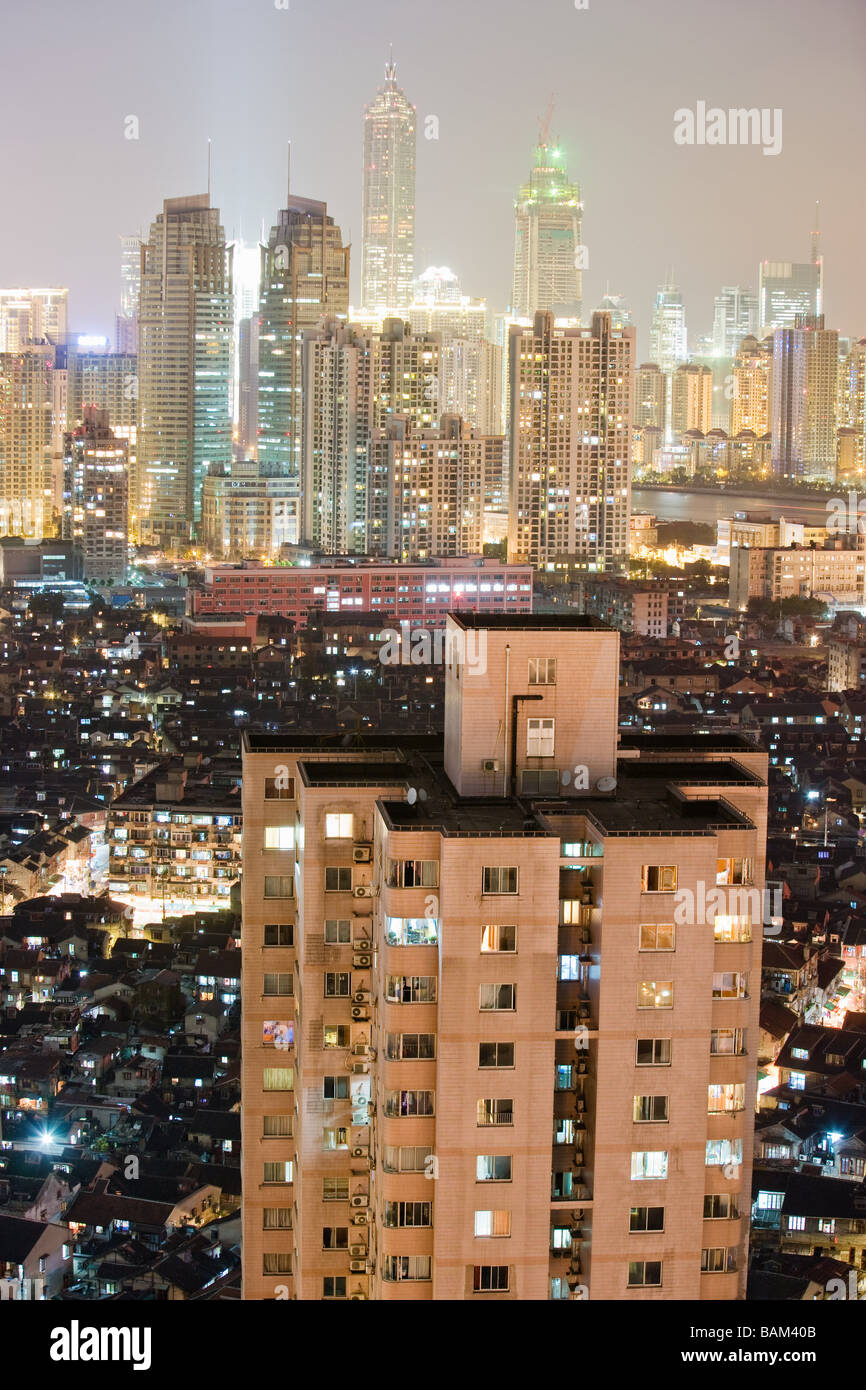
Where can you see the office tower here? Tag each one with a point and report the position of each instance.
(428, 490)
(822, 398)
(691, 399)
(126, 322)
(304, 275)
(248, 387)
(788, 289)
(439, 306)
(388, 208)
(107, 381)
(788, 411)
(249, 510)
(26, 431)
(749, 389)
(548, 262)
(619, 309)
(96, 496)
(352, 381)
(184, 365)
(451, 947)
(735, 316)
(570, 438)
(32, 316)
(668, 337)
(650, 387)
(852, 398)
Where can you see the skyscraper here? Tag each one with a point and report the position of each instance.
(27, 400)
(691, 399)
(184, 364)
(822, 399)
(388, 209)
(548, 260)
(788, 289)
(571, 403)
(852, 403)
(750, 388)
(735, 316)
(668, 336)
(31, 315)
(788, 416)
(96, 496)
(126, 322)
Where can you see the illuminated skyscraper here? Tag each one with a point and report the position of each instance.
(126, 322)
(96, 496)
(26, 426)
(852, 399)
(735, 316)
(388, 212)
(649, 396)
(29, 316)
(691, 398)
(788, 289)
(668, 337)
(750, 388)
(547, 253)
(788, 402)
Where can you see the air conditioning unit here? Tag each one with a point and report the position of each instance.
(489, 764)
(362, 854)
(359, 1151)
(362, 1050)
(361, 1218)
(357, 1252)
(357, 1296)
(360, 1199)
(364, 890)
(360, 996)
(360, 1068)
(363, 945)
(360, 1014)
(362, 962)
(358, 1266)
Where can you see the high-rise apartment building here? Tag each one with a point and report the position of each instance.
(471, 384)
(735, 316)
(822, 399)
(31, 316)
(27, 405)
(691, 399)
(668, 336)
(429, 491)
(96, 496)
(570, 439)
(548, 261)
(750, 387)
(388, 209)
(788, 411)
(305, 275)
(126, 322)
(107, 381)
(184, 365)
(433, 927)
(249, 510)
(852, 399)
(805, 390)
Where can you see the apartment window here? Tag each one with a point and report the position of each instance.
(732, 928)
(569, 968)
(335, 1138)
(277, 1126)
(337, 879)
(646, 1219)
(278, 1079)
(542, 670)
(653, 1052)
(797, 1080)
(720, 1206)
(497, 998)
(727, 1042)
(734, 871)
(278, 1172)
(495, 1111)
(410, 989)
(726, 1099)
(407, 1158)
(411, 931)
(729, 985)
(540, 738)
(827, 1225)
(413, 873)
(563, 1131)
(719, 1260)
(649, 1163)
(396, 1268)
(655, 994)
(658, 936)
(801, 1053)
(770, 1201)
(796, 1223)
(335, 1189)
(407, 1214)
(490, 1278)
(336, 1035)
(282, 983)
(560, 1238)
(279, 837)
(335, 1088)
(498, 880)
(338, 825)
(277, 1219)
(644, 1274)
(279, 934)
(338, 984)
(650, 1109)
(279, 789)
(498, 938)
(658, 878)
(334, 1286)
(493, 1223)
(493, 1168)
(276, 1264)
(278, 886)
(539, 781)
(335, 1237)
(338, 933)
(404, 1047)
(405, 1104)
(721, 1152)
(496, 1054)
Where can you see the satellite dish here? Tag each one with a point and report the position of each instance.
(606, 784)
(411, 796)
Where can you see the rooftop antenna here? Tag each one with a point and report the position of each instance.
(390, 66)
(208, 170)
(544, 122)
(289, 170)
(816, 235)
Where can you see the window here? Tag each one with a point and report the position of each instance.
(338, 826)
(657, 936)
(770, 1201)
(278, 1079)
(542, 670)
(655, 994)
(719, 1260)
(335, 1237)
(495, 1111)
(279, 934)
(801, 1053)
(726, 1099)
(407, 1214)
(497, 998)
(797, 1080)
(408, 1158)
(644, 1274)
(827, 1225)
(336, 1035)
(493, 1223)
(646, 1219)
(569, 968)
(727, 1042)
(498, 938)
(653, 1052)
(490, 1278)
(338, 880)
(658, 878)
(276, 1264)
(338, 933)
(282, 984)
(732, 928)
(729, 985)
(540, 738)
(277, 1219)
(496, 1054)
(278, 1172)
(335, 1138)
(279, 789)
(279, 837)
(276, 1126)
(734, 871)
(334, 1286)
(499, 880)
(396, 1268)
(278, 886)
(338, 984)
(335, 1088)
(413, 873)
(493, 1168)
(335, 1189)
(650, 1109)
(409, 1103)
(649, 1163)
(404, 1047)
(720, 1206)
(721, 1152)
(539, 781)
(796, 1223)
(411, 931)
(410, 989)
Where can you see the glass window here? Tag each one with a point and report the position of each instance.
(655, 994)
(338, 825)
(649, 1163)
(658, 936)
(659, 878)
(540, 738)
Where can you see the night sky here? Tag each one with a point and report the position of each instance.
(251, 77)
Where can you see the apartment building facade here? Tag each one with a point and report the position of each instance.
(516, 986)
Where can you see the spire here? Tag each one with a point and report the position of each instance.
(816, 236)
(390, 66)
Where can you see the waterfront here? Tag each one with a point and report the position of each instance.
(680, 505)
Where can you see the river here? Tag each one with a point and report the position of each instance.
(711, 506)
